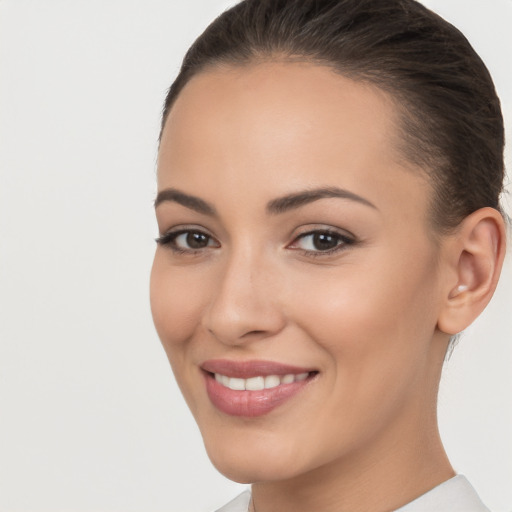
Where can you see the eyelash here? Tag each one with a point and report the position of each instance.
(169, 240)
(343, 241)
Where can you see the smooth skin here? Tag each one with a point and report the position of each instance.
(360, 289)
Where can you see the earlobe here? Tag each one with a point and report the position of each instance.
(476, 254)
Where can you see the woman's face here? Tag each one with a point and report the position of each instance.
(296, 288)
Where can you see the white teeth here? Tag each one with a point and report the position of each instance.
(260, 382)
(287, 379)
(272, 381)
(255, 384)
(236, 384)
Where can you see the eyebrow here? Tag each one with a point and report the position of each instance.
(192, 202)
(296, 200)
(274, 207)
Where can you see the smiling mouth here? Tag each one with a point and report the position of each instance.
(259, 382)
(253, 388)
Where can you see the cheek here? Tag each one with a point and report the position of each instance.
(176, 301)
(368, 318)
(375, 331)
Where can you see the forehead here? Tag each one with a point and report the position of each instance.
(279, 126)
(283, 102)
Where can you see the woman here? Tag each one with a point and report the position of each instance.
(329, 177)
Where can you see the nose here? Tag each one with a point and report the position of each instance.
(244, 305)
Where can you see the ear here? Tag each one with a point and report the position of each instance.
(474, 256)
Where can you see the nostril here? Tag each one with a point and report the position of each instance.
(232, 321)
(254, 333)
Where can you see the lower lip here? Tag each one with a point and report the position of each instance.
(251, 403)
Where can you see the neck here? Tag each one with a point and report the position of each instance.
(399, 465)
(381, 479)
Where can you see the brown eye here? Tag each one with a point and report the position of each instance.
(319, 241)
(187, 241)
(324, 241)
(195, 240)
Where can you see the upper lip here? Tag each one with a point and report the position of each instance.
(253, 368)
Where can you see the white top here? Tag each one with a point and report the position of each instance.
(454, 495)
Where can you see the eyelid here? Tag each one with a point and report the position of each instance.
(184, 228)
(167, 238)
(322, 228)
(347, 239)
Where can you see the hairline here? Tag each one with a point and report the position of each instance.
(404, 147)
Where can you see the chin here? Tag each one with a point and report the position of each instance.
(249, 472)
(254, 460)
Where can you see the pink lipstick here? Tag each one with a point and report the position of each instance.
(253, 388)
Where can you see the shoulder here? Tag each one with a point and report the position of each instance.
(239, 504)
(454, 495)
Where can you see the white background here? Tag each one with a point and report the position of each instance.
(90, 416)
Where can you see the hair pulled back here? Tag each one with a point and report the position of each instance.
(451, 121)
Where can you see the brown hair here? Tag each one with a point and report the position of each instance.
(452, 124)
